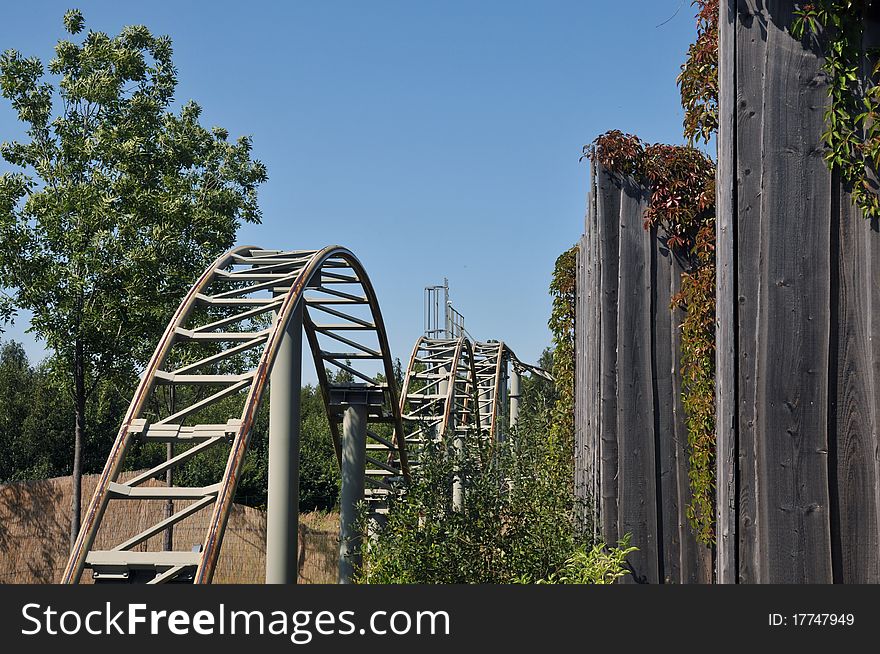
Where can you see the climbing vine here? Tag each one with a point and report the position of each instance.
(852, 117)
(682, 207)
(563, 288)
(698, 80)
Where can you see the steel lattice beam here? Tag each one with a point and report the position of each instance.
(217, 352)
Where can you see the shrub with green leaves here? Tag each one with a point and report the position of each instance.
(520, 519)
(512, 523)
(593, 565)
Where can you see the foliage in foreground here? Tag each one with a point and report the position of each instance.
(563, 290)
(520, 519)
(501, 532)
(517, 525)
(592, 565)
(698, 80)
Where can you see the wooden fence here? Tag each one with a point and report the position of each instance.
(798, 323)
(629, 428)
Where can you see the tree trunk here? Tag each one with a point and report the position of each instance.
(168, 543)
(79, 401)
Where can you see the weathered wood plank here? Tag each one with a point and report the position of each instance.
(750, 52)
(635, 421)
(870, 284)
(725, 303)
(798, 345)
(851, 398)
(871, 232)
(592, 381)
(807, 359)
(584, 460)
(581, 467)
(608, 227)
(664, 364)
(793, 315)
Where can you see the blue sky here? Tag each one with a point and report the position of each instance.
(433, 138)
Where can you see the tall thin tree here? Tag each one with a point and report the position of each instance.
(113, 203)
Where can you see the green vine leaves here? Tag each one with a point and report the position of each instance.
(563, 289)
(698, 79)
(852, 117)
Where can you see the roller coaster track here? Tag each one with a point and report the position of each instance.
(203, 386)
(490, 374)
(431, 406)
(492, 359)
(233, 319)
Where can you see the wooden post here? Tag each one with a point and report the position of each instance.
(608, 225)
(725, 302)
(777, 263)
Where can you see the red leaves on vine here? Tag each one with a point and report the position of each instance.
(617, 151)
(681, 180)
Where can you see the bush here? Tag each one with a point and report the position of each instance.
(520, 519)
(595, 565)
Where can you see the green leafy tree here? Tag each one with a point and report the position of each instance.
(35, 418)
(319, 477)
(17, 382)
(113, 205)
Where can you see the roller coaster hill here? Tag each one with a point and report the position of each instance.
(237, 334)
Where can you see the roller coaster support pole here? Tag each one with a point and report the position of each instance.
(503, 427)
(457, 442)
(447, 311)
(354, 447)
(457, 481)
(515, 378)
(284, 425)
